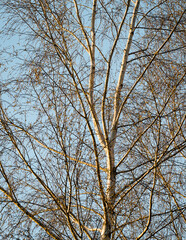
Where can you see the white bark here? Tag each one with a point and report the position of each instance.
(111, 176)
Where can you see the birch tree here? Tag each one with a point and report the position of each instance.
(92, 120)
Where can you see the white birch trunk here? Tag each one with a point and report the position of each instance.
(110, 195)
(108, 222)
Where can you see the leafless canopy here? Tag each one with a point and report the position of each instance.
(92, 119)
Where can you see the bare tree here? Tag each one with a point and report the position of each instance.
(92, 120)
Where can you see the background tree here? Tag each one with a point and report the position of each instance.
(92, 120)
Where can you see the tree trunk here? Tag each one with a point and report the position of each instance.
(110, 197)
